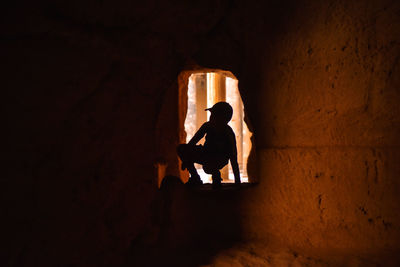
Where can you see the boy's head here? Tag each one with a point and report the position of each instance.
(221, 111)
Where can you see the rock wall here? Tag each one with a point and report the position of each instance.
(85, 83)
(82, 100)
(327, 125)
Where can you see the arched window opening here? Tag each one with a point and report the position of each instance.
(204, 90)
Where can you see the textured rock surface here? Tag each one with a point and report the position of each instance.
(327, 129)
(85, 83)
(337, 198)
(267, 254)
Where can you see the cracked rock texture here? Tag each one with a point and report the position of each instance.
(327, 129)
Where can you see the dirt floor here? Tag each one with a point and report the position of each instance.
(257, 254)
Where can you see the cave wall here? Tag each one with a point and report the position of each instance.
(320, 84)
(86, 82)
(327, 125)
(82, 103)
(85, 85)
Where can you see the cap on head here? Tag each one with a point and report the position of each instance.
(223, 110)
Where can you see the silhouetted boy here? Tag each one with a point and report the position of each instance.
(218, 149)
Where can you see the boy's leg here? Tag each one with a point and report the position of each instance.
(215, 175)
(192, 170)
(212, 165)
(216, 179)
(189, 154)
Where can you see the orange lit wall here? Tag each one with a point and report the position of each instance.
(327, 125)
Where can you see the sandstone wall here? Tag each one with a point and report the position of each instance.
(327, 128)
(82, 102)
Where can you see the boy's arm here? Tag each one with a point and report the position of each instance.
(198, 135)
(235, 168)
(233, 159)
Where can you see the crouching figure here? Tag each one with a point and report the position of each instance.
(219, 147)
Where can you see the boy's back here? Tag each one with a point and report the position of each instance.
(219, 139)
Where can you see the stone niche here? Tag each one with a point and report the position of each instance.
(220, 92)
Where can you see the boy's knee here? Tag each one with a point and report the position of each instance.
(184, 151)
(213, 165)
(180, 149)
(210, 169)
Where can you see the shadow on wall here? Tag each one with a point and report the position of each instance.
(189, 226)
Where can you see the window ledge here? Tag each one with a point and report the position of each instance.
(225, 187)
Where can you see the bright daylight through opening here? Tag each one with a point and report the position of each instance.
(204, 90)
